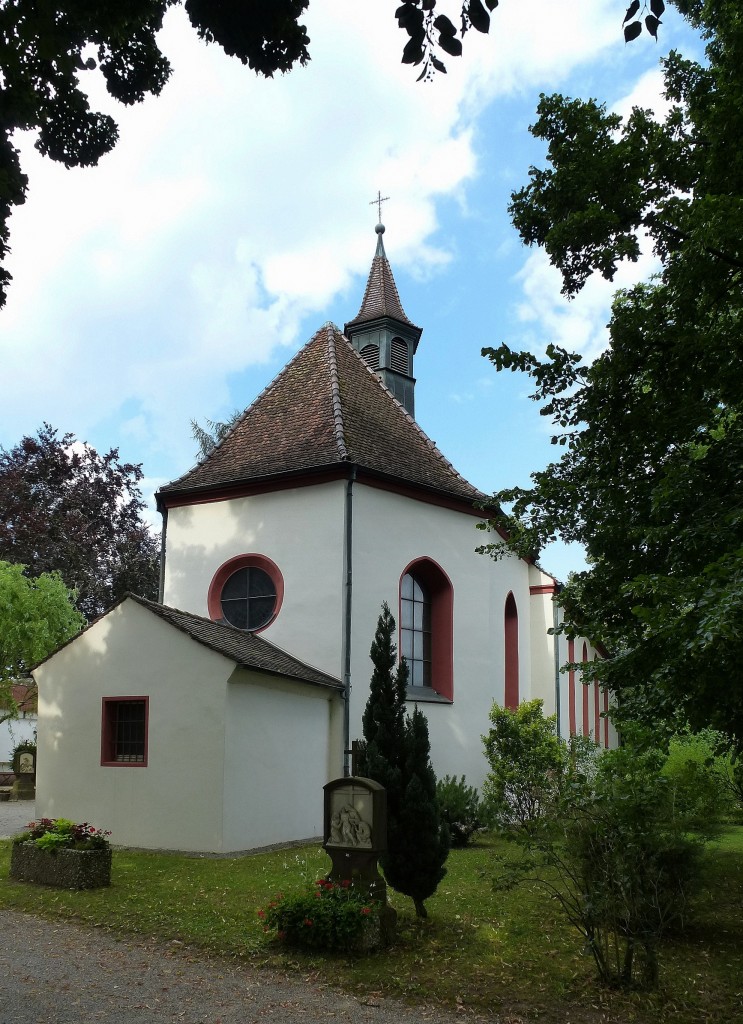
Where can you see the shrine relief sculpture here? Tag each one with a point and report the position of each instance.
(347, 828)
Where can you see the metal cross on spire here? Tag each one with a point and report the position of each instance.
(378, 203)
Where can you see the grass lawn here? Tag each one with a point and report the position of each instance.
(510, 954)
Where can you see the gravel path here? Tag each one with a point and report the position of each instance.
(14, 816)
(59, 973)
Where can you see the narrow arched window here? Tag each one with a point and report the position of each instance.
(427, 627)
(511, 688)
(415, 628)
(571, 688)
(596, 709)
(584, 681)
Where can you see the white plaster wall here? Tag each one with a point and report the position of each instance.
(175, 802)
(301, 530)
(277, 742)
(389, 532)
(15, 731)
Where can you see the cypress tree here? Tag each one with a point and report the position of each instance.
(397, 755)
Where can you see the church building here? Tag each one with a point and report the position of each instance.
(211, 720)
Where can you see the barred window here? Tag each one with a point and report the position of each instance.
(124, 731)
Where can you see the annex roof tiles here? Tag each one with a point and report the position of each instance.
(246, 649)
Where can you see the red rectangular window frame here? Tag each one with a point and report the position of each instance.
(124, 732)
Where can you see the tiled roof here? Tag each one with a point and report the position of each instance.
(326, 408)
(245, 649)
(381, 297)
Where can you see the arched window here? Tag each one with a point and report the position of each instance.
(511, 688)
(426, 626)
(584, 681)
(571, 687)
(246, 592)
(596, 710)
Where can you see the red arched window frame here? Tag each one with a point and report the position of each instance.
(511, 654)
(441, 594)
(571, 687)
(584, 681)
(244, 561)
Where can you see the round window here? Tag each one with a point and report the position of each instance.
(248, 598)
(246, 592)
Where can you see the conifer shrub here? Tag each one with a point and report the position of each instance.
(460, 808)
(396, 753)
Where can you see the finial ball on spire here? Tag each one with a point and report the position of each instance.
(379, 228)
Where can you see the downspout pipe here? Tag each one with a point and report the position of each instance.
(347, 624)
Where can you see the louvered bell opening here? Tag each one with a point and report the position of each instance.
(370, 355)
(399, 356)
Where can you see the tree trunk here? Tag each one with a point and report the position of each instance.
(420, 908)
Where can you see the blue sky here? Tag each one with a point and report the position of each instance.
(174, 280)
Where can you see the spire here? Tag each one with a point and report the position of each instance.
(382, 333)
(381, 297)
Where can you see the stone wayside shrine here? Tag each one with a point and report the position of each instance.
(355, 835)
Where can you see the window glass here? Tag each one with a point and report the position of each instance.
(415, 631)
(248, 598)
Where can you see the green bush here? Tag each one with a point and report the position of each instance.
(460, 807)
(329, 915)
(619, 861)
(701, 771)
(527, 762)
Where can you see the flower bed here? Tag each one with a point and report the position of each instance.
(60, 853)
(330, 916)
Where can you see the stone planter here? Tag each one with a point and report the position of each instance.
(65, 869)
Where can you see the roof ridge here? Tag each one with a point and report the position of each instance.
(335, 392)
(266, 390)
(424, 436)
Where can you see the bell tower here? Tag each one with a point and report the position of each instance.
(381, 332)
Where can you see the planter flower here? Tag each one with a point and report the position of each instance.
(58, 852)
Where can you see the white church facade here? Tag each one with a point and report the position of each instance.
(211, 721)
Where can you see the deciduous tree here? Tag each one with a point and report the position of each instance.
(65, 508)
(650, 479)
(36, 616)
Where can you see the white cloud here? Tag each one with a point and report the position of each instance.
(234, 207)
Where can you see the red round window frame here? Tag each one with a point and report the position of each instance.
(223, 573)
